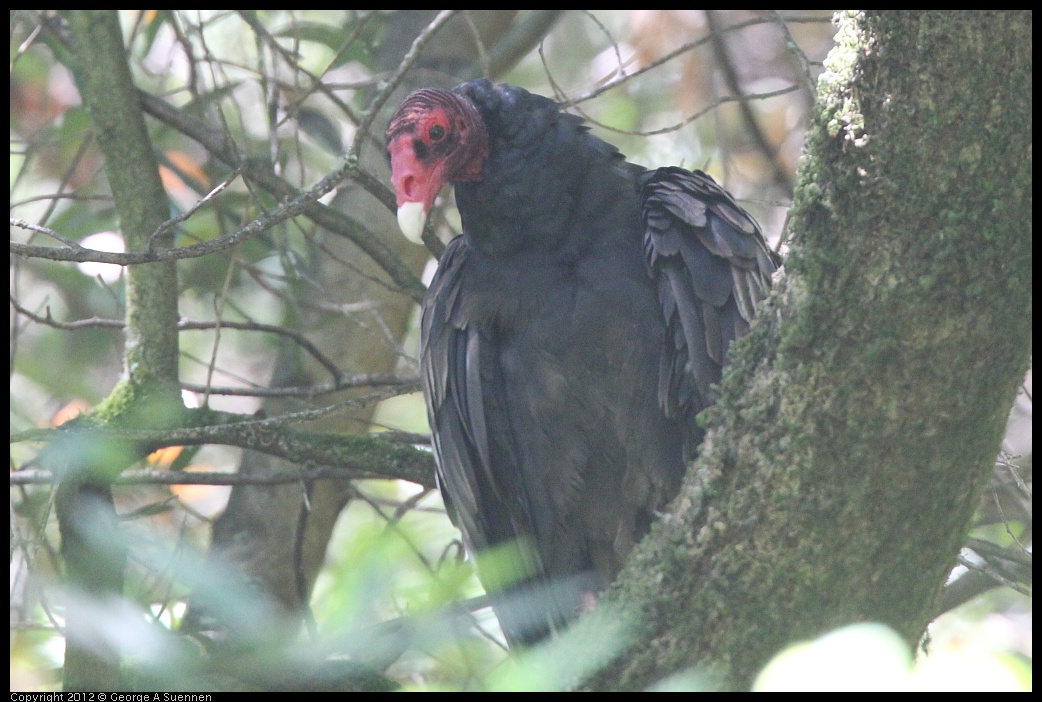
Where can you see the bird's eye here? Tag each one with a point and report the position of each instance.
(436, 132)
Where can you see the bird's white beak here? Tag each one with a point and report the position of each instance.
(411, 218)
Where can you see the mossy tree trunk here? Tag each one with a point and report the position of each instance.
(860, 421)
(149, 392)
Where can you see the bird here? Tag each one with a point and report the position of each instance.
(571, 335)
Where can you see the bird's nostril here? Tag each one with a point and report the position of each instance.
(406, 186)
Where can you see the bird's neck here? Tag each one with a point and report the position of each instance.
(545, 196)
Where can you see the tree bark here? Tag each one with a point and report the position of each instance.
(860, 421)
(93, 554)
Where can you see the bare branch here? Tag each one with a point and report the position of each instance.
(999, 574)
(167, 477)
(93, 322)
(366, 456)
(409, 383)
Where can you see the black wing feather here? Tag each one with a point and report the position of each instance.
(712, 267)
(479, 474)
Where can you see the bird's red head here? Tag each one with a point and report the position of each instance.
(435, 137)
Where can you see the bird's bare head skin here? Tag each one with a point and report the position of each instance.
(435, 137)
(569, 338)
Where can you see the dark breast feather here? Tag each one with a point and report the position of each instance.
(478, 471)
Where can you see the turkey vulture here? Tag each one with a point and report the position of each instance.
(570, 336)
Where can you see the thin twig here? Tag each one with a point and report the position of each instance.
(989, 549)
(93, 322)
(363, 380)
(224, 427)
(166, 477)
(23, 224)
(795, 50)
(174, 221)
(992, 572)
(675, 53)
